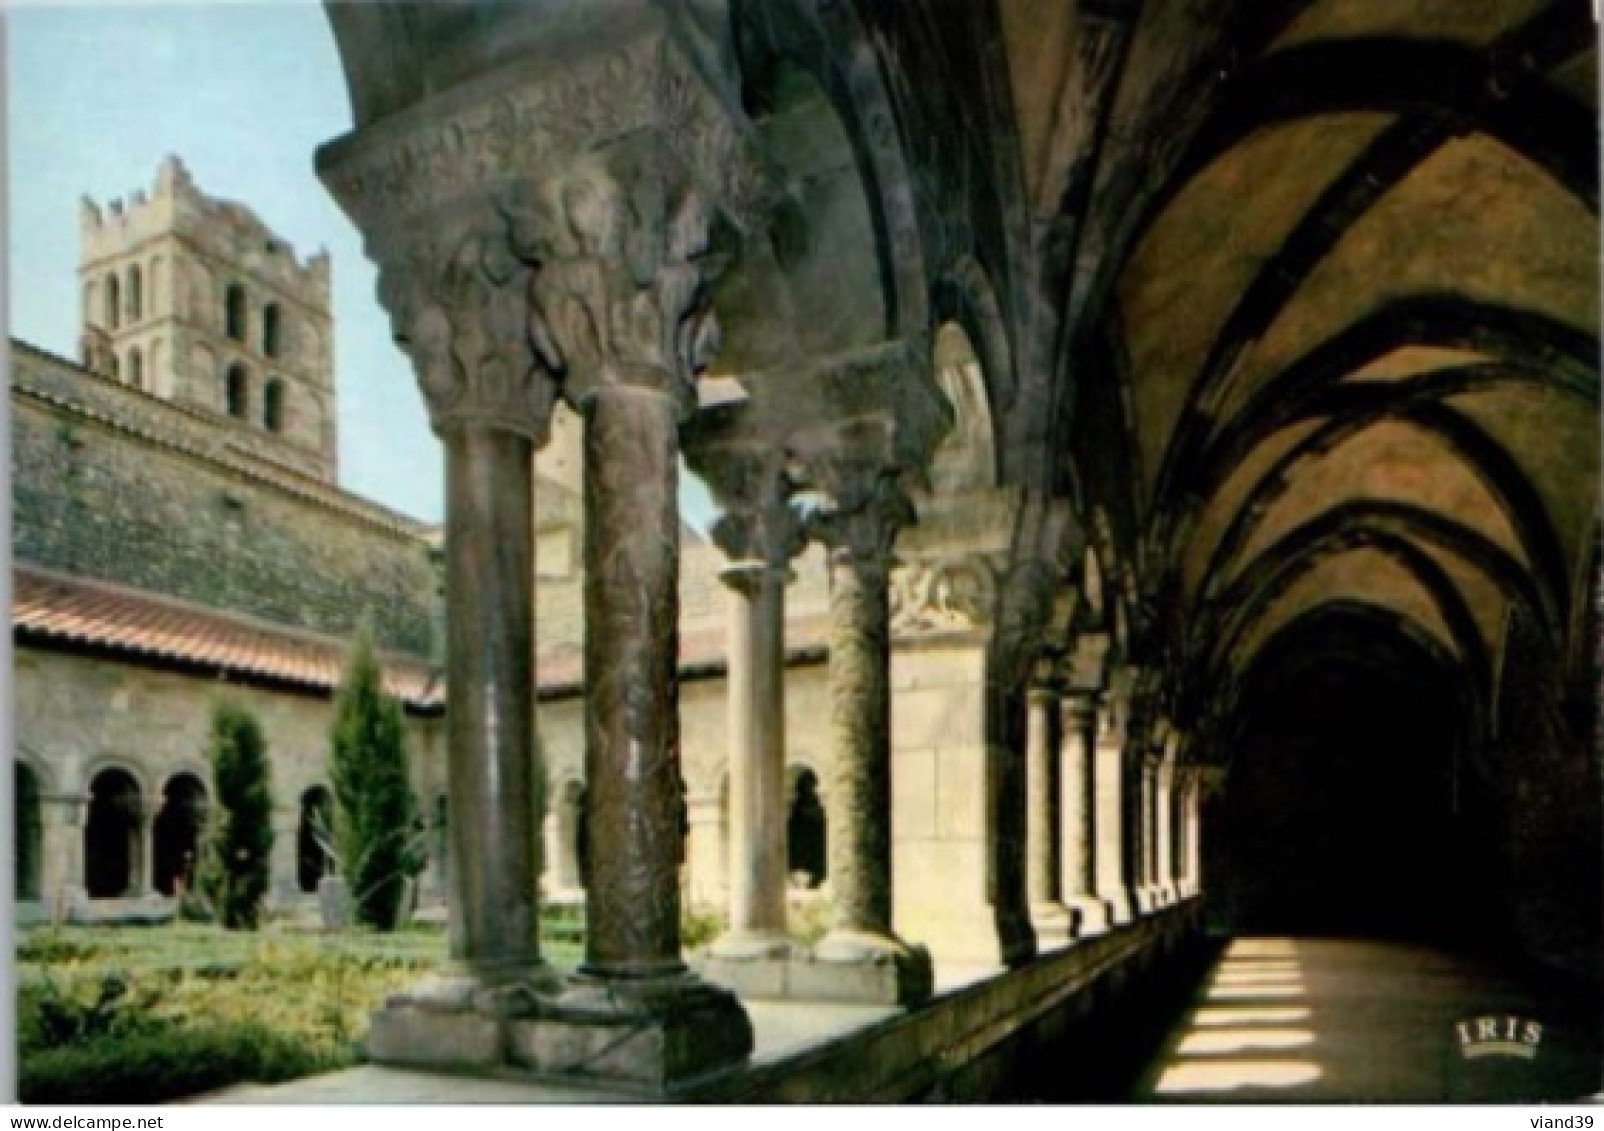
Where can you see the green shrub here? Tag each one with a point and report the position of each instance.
(167, 1062)
(51, 946)
(55, 1014)
(236, 870)
(377, 830)
(698, 927)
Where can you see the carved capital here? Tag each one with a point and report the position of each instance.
(455, 296)
(618, 296)
(760, 524)
(954, 594)
(865, 507)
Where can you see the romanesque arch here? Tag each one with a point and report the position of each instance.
(114, 850)
(177, 833)
(314, 838)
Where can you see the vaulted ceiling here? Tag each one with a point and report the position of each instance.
(1345, 255)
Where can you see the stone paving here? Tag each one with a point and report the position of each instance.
(1321, 1019)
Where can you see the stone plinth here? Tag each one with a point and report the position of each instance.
(874, 977)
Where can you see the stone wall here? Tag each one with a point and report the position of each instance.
(77, 715)
(117, 485)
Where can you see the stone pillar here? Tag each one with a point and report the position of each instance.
(1189, 786)
(866, 508)
(144, 847)
(1054, 923)
(760, 534)
(1115, 830)
(1080, 805)
(284, 885)
(493, 754)
(61, 869)
(1164, 829)
(1145, 863)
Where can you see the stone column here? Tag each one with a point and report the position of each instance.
(629, 342)
(866, 508)
(1164, 830)
(1080, 805)
(760, 534)
(1053, 922)
(457, 302)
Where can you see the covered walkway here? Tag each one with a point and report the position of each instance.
(1308, 1020)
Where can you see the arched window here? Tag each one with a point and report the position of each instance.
(113, 361)
(234, 312)
(238, 391)
(270, 329)
(114, 300)
(112, 845)
(136, 368)
(314, 838)
(273, 405)
(805, 830)
(136, 294)
(29, 832)
(176, 836)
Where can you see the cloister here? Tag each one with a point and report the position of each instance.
(1197, 406)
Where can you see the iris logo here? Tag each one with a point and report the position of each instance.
(1499, 1036)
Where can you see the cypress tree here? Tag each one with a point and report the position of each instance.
(375, 809)
(237, 869)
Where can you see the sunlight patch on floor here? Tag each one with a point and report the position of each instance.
(1225, 1048)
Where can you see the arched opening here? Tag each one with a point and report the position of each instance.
(234, 315)
(91, 297)
(237, 389)
(567, 864)
(1344, 808)
(273, 405)
(177, 835)
(114, 303)
(966, 459)
(136, 293)
(270, 329)
(806, 831)
(314, 838)
(136, 368)
(29, 830)
(112, 850)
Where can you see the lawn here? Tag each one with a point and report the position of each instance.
(143, 1014)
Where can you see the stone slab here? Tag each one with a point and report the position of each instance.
(406, 1036)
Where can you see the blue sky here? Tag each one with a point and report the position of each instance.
(244, 93)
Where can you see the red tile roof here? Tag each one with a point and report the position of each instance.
(76, 610)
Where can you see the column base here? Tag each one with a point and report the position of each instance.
(650, 1037)
(1121, 905)
(1167, 895)
(457, 1018)
(861, 967)
(1094, 915)
(1147, 900)
(1056, 925)
(744, 945)
(646, 1038)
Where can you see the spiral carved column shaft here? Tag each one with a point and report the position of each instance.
(860, 657)
(636, 817)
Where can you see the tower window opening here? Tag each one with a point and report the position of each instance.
(238, 391)
(234, 312)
